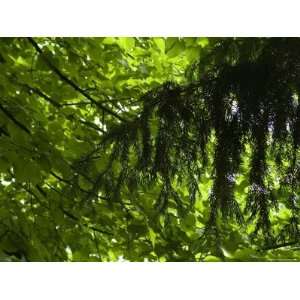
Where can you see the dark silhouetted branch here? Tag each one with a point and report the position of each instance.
(70, 82)
(43, 95)
(14, 120)
(282, 245)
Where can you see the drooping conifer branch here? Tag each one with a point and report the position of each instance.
(236, 102)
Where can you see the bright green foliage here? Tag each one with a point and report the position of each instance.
(129, 148)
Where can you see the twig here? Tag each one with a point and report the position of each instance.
(70, 82)
(286, 244)
(14, 120)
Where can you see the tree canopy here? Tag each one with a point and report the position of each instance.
(149, 149)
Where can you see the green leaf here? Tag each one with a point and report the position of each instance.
(4, 165)
(109, 41)
(136, 146)
(211, 258)
(127, 43)
(203, 42)
(189, 221)
(27, 171)
(177, 48)
(152, 236)
(160, 43)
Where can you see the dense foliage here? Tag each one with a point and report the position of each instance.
(158, 149)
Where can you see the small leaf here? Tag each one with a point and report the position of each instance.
(109, 41)
(126, 43)
(176, 49)
(160, 43)
(211, 258)
(152, 236)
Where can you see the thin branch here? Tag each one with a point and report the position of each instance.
(2, 130)
(4, 234)
(74, 218)
(29, 191)
(14, 120)
(91, 125)
(41, 190)
(282, 245)
(67, 213)
(70, 82)
(32, 90)
(43, 95)
(81, 189)
(81, 103)
(50, 100)
(59, 178)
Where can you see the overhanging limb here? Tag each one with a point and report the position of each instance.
(71, 83)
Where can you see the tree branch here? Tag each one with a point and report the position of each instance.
(2, 130)
(70, 82)
(41, 94)
(74, 218)
(92, 125)
(81, 189)
(14, 120)
(37, 91)
(282, 245)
